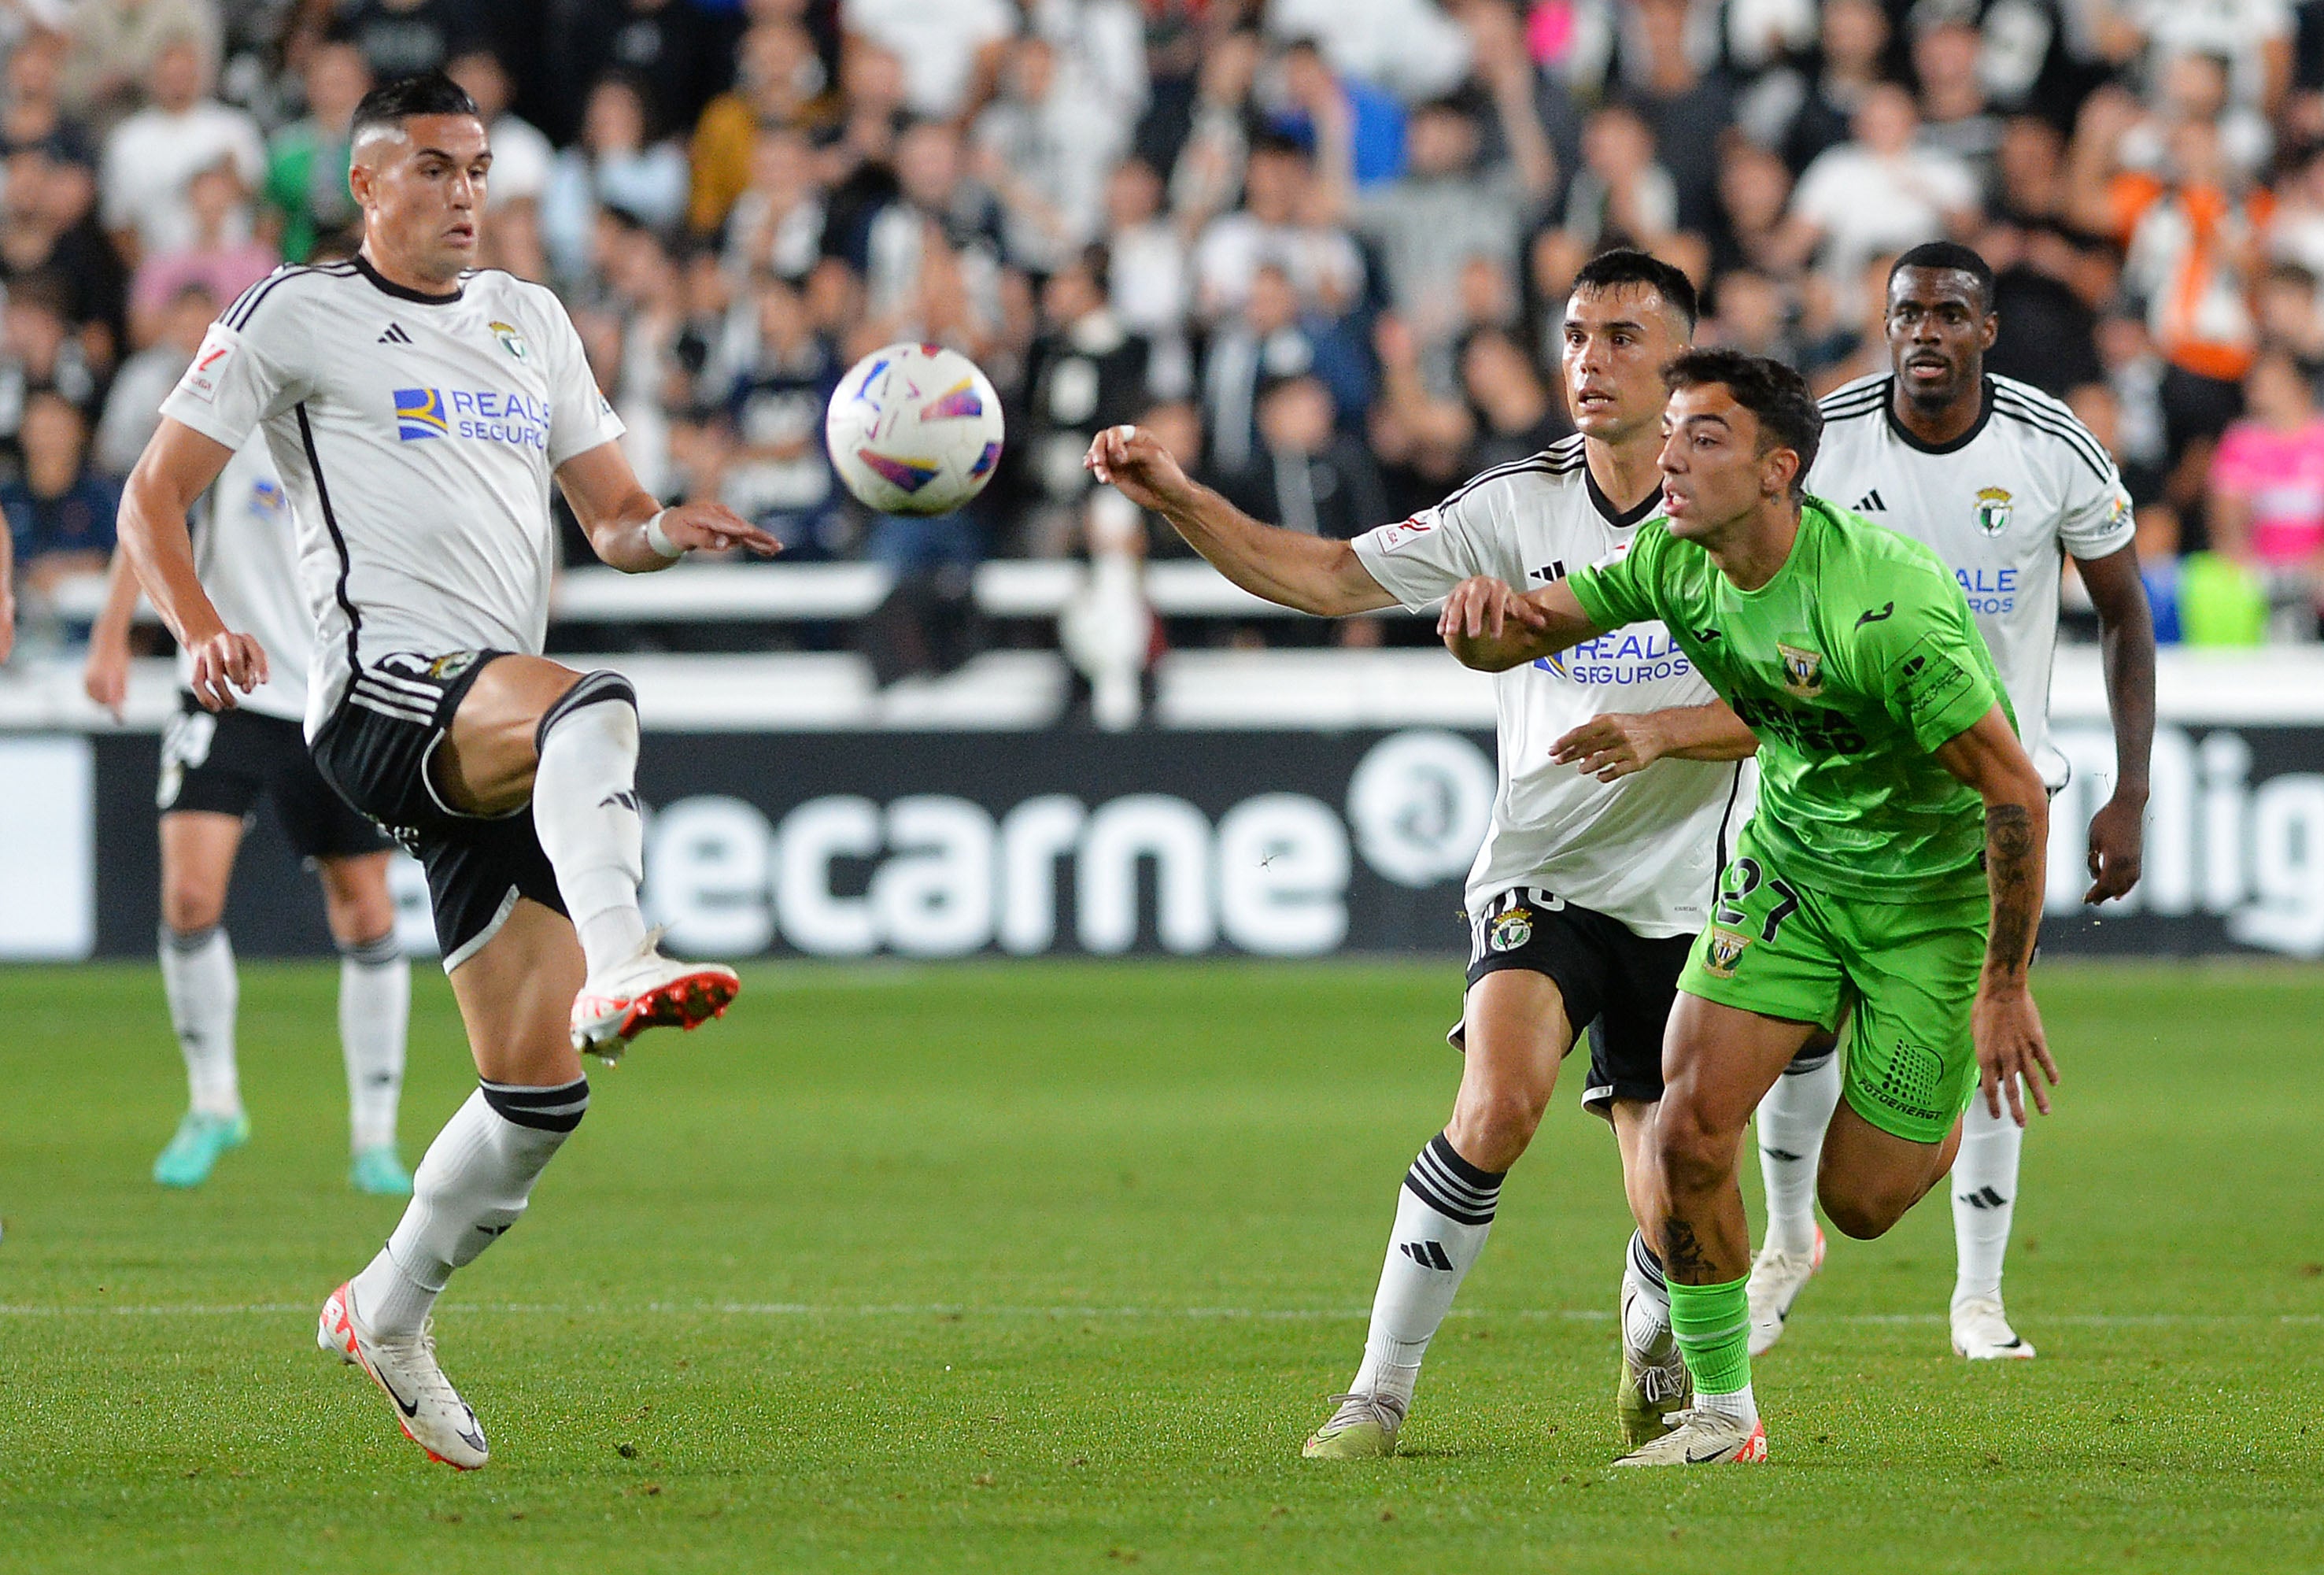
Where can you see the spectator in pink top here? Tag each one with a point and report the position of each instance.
(224, 257)
(2267, 479)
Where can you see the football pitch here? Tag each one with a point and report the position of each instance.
(1040, 1266)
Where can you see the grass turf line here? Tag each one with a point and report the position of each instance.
(801, 1294)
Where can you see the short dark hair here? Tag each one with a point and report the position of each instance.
(1953, 257)
(1773, 393)
(390, 103)
(1622, 265)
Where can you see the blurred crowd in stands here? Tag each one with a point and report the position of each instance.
(1320, 246)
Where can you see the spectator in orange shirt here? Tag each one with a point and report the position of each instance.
(2195, 232)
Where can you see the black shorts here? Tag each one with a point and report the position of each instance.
(1618, 983)
(223, 762)
(376, 749)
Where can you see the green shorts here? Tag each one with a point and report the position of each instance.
(1909, 969)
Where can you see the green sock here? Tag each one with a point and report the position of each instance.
(1713, 1324)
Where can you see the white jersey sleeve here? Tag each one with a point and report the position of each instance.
(241, 376)
(580, 416)
(2096, 522)
(1419, 560)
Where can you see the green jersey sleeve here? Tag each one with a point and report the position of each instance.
(1931, 664)
(1620, 589)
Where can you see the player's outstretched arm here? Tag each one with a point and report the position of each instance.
(1488, 625)
(1621, 743)
(106, 674)
(1288, 568)
(2126, 642)
(2010, 1044)
(628, 527)
(178, 467)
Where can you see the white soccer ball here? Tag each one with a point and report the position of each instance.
(914, 429)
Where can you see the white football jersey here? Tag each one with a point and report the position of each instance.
(415, 436)
(1642, 850)
(246, 553)
(2002, 504)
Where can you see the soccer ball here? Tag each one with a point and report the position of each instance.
(914, 429)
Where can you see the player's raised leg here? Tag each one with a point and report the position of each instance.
(198, 975)
(1515, 1032)
(531, 728)
(1985, 1206)
(515, 993)
(374, 1016)
(1791, 1122)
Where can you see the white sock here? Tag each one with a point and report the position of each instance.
(1792, 1120)
(1739, 1406)
(1985, 1198)
(1443, 1213)
(1649, 1319)
(584, 807)
(197, 976)
(471, 1186)
(375, 1011)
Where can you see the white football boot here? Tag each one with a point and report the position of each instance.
(1702, 1438)
(426, 1407)
(647, 990)
(1981, 1332)
(1778, 1278)
(1363, 1428)
(1654, 1387)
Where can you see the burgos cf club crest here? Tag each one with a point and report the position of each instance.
(1993, 506)
(1803, 670)
(1721, 950)
(514, 342)
(1511, 930)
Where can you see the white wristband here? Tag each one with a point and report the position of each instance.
(658, 540)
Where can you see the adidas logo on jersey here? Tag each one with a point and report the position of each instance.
(1870, 502)
(394, 335)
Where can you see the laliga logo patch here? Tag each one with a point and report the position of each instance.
(201, 378)
(1511, 930)
(1393, 537)
(511, 340)
(419, 414)
(1721, 950)
(445, 669)
(1803, 670)
(1993, 509)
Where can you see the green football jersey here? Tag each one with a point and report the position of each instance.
(1852, 665)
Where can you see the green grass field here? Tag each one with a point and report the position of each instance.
(1049, 1268)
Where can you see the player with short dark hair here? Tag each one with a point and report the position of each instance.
(1587, 893)
(1894, 868)
(214, 768)
(2004, 484)
(417, 411)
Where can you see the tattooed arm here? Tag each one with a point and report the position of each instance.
(2010, 1044)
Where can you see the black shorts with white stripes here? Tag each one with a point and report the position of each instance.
(378, 749)
(224, 763)
(1617, 983)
